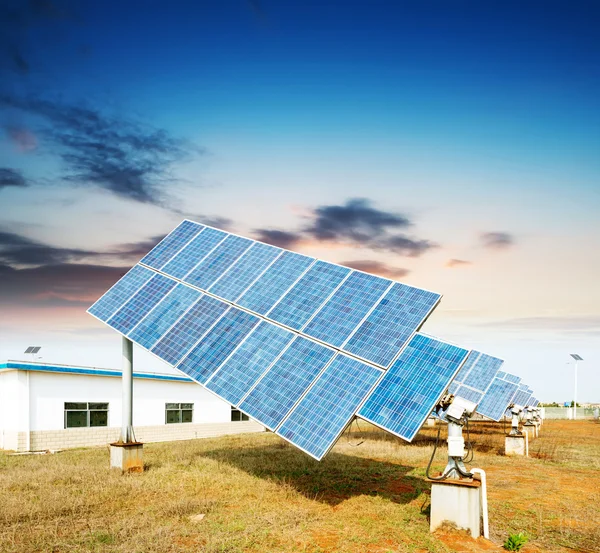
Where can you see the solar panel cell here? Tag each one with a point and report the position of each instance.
(160, 319)
(308, 294)
(390, 325)
(252, 358)
(189, 329)
(182, 263)
(274, 282)
(284, 383)
(324, 412)
(347, 308)
(218, 261)
(210, 352)
(141, 303)
(245, 271)
(171, 244)
(412, 386)
(120, 293)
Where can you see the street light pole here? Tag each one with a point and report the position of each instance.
(577, 358)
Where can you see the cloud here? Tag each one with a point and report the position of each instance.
(356, 220)
(566, 323)
(11, 177)
(60, 285)
(356, 223)
(497, 240)
(376, 268)
(22, 138)
(453, 263)
(115, 153)
(280, 238)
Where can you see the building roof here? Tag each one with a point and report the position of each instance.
(90, 371)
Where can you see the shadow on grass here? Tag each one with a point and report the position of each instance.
(335, 479)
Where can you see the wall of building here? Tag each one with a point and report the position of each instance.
(32, 410)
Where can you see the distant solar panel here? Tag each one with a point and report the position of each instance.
(329, 406)
(169, 305)
(522, 396)
(284, 383)
(498, 397)
(468, 394)
(171, 244)
(412, 386)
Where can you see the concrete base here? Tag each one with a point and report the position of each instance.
(127, 457)
(431, 421)
(531, 429)
(515, 445)
(457, 502)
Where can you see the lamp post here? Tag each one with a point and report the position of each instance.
(577, 358)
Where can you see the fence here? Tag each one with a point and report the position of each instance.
(567, 413)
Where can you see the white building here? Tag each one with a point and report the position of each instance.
(46, 406)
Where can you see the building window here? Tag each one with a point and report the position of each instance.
(237, 415)
(179, 412)
(81, 415)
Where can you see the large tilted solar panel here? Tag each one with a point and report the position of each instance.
(412, 386)
(305, 390)
(498, 397)
(522, 396)
(367, 316)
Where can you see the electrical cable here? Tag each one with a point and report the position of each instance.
(470, 451)
(443, 476)
(350, 428)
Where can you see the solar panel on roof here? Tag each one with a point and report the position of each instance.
(306, 296)
(325, 411)
(141, 303)
(284, 383)
(253, 357)
(167, 311)
(171, 244)
(412, 386)
(210, 352)
(192, 326)
(391, 323)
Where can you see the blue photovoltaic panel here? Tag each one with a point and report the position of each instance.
(141, 303)
(285, 382)
(189, 329)
(390, 325)
(512, 378)
(274, 282)
(160, 319)
(346, 308)
(453, 387)
(496, 399)
(121, 292)
(256, 354)
(469, 394)
(324, 412)
(483, 372)
(194, 252)
(171, 244)
(521, 396)
(412, 386)
(466, 368)
(308, 294)
(534, 402)
(245, 271)
(218, 261)
(210, 352)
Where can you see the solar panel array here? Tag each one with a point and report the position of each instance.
(522, 396)
(499, 396)
(296, 343)
(476, 376)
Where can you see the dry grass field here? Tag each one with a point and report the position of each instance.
(258, 494)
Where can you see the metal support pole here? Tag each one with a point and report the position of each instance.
(127, 381)
(575, 394)
(456, 452)
(514, 431)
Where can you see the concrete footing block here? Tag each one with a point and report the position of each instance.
(515, 445)
(431, 421)
(127, 457)
(531, 429)
(457, 502)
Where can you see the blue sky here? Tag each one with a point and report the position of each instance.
(477, 122)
